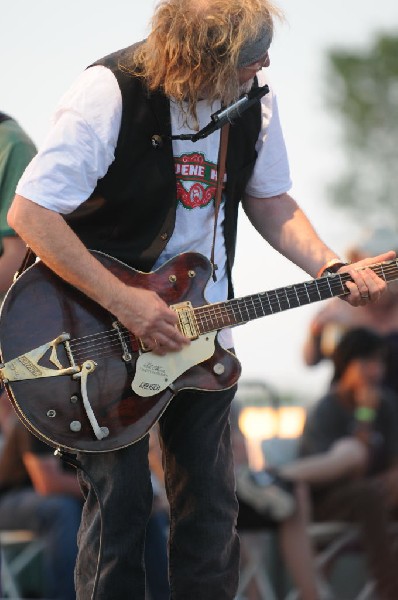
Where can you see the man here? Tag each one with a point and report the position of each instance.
(109, 165)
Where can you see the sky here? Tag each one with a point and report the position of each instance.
(45, 46)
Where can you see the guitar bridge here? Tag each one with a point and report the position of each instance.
(26, 366)
(186, 320)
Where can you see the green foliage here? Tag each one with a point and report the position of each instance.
(363, 90)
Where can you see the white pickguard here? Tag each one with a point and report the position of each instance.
(155, 373)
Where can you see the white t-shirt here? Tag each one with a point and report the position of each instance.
(80, 147)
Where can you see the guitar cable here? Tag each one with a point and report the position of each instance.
(71, 460)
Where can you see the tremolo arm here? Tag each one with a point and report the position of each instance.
(88, 367)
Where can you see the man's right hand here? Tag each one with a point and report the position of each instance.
(145, 314)
(142, 311)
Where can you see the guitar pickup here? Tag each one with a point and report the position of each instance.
(186, 320)
(26, 366)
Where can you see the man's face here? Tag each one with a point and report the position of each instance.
(247, 73)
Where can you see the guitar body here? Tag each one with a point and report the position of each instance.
(40, 306)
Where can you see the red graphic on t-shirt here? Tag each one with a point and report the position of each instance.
(197, 196)
(194, 169)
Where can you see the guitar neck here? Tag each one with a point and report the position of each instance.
(238, 311)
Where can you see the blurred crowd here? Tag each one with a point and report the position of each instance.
(346, 469)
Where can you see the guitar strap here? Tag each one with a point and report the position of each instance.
(222, 158)
(28, 261)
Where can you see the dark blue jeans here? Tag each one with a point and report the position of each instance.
(203, 545)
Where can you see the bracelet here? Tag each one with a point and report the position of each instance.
(332, 266)
(364, 414)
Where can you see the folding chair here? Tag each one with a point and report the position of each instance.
(333, 541)
(18, 549)
(256, 544)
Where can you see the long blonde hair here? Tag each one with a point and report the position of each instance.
(193, 47)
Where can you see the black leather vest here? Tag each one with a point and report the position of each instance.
(131, 213)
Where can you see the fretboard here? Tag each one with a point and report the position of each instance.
(212, 317)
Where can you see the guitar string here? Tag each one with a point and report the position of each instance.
(100, 335)
(222, 311)
(107, 341)
(97, 353)
(81, 350)
(276, 298)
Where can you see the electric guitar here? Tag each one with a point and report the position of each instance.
(81, 381)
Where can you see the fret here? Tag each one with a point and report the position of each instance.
(294, 287)
(264, 303)
(330, 288)
(255, 305)
(283, 299)
(268, 302)
(317, 289)
(273, 301)
(254, 308)
(238, 304)
(277, 299)
(339, 285)
(324, 287)
(302, 294)
(215, 319)
(231, 316)
(382, 274)
(243, 311)
(312, 292)
(293, 297)
(308, 299)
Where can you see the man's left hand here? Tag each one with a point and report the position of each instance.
(366, 285)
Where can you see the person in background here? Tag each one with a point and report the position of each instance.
(156, 559)
(38, 494)
(336, 316)
(120, 173)
(349, 455)
(16, 151)
(282, 508)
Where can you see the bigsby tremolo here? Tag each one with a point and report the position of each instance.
(26, 366)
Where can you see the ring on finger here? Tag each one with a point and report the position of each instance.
(365, 296)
